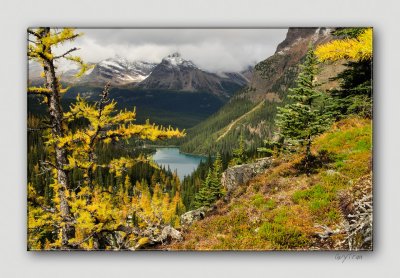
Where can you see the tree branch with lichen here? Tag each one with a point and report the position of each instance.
(66, 53)
(39, 91)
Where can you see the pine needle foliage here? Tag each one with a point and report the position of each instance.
(211, 189)
(303, 118)
(239, 154)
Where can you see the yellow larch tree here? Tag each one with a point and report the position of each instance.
(86, 216)
(354, 94)
(357, 49)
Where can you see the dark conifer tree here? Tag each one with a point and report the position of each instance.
(239, 154)
(205, 195)
(216, 174)
(304, 118)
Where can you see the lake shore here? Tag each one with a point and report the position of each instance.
(172, 158)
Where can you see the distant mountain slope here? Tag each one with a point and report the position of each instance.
(220, 132)
(182, 110)
(177, 74)
(268, 88)
(66, 73)
(118, 71)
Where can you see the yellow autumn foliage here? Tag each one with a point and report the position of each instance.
(94, 210)
(357, 49)
(40, 49)
(55, 37)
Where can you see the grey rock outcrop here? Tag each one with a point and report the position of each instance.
(168, 233)
(150, 238)
(231, 179)
(189, 217)
(241, 174)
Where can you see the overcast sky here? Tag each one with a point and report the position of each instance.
(210, 49)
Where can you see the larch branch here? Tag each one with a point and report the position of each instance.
(66, 53)
(39, 91)
(34, 33)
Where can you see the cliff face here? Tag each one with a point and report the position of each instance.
(295, 34)
(273, 76)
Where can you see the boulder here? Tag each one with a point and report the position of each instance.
(241, 174)
(168, 234)
(194, 215)
(152, 237)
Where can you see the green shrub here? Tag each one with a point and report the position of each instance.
(317, 192)
(281, 216)
(260, 202)
(363, 145)
(320, 201)
(333, 215)
(270, 204)
(282, 237)
(300, 195)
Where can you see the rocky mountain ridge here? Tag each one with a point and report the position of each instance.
(173, 73)
(275, 75)
(178, 74)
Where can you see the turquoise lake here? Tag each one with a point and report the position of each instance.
(184, 164)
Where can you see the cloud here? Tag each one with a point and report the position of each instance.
(210, 49)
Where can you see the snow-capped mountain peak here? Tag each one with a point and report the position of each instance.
(120, 70)
(177, 74)
(116, 62)
(176, 60)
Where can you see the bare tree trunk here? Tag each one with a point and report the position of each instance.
(56, 116)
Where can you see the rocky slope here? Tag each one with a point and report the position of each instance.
(177, 74)
(273, 205)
